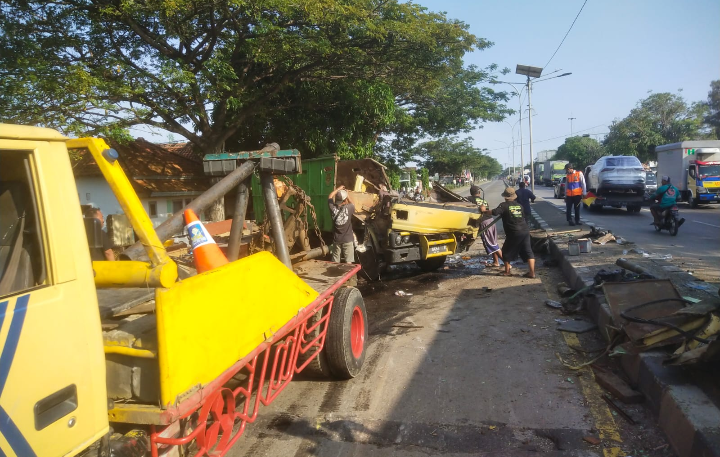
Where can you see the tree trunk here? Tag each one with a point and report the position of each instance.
(216, 211)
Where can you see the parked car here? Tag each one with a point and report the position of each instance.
(650, 184)
(560, 188)
(617, 175)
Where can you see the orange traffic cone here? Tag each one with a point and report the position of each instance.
(206, 252)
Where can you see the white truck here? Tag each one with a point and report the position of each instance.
(694, 168)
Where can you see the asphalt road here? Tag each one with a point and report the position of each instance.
(465, 366)
(696, 247)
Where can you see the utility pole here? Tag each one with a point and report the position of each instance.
(571, 119)
(532, 163)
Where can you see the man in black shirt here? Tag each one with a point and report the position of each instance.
(517, 233)
(342, 212)
(524, 197)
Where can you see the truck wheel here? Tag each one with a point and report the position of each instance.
(431, 264)
(319, 367)
(347, 337)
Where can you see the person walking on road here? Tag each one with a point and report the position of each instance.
(575, 191)
(342, 211)
(517, 233)
(524, 197)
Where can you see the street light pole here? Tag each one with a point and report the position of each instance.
(532, 162)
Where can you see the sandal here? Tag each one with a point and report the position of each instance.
(502, 273)
(529, 275)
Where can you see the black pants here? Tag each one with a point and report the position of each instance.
(570, 203)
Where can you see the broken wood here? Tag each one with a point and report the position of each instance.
(617, 386)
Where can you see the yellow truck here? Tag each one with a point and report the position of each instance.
(125, 357)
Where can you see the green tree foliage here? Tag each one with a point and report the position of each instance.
(659, 119)
(425, 177)
(323, 76)
(713, 105)
(580, 151)
(450, 156)
(394, 178)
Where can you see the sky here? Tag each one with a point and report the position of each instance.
(617, 51)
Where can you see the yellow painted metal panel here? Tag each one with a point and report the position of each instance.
(25, 132)
(421, 219)
(59, 341)
(208, 322)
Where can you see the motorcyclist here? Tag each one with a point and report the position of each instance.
(668, 195)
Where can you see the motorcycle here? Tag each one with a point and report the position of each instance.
(670, 220)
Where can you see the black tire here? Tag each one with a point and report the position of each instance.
(319, 367)
(345, 343)
(673, 227)
(431, 264)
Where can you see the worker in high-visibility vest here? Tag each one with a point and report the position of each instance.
(575, 191)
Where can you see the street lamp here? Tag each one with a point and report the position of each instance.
(518, 93)
(532, 72)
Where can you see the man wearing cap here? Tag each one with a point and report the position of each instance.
(475, 196)
(668, 195)
(575, 191)
(342, 211)
(517, 233)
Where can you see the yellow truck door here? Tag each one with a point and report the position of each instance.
(52, 370)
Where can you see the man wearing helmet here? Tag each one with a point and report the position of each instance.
(668, 194)
(342, 212)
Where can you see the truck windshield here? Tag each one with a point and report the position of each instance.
(708, 170)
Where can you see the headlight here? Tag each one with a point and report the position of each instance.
(398, 240)
(701, 190)
(406, 239)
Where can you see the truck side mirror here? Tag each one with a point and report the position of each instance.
(691, 171)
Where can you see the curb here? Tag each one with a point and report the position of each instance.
(688, 417)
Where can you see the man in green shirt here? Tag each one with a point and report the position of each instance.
(668, 195)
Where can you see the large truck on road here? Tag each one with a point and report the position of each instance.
(553, 172)
(694, 168)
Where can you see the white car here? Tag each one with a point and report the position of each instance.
(616, 174)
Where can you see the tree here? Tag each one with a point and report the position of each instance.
(425, 176)
(450, 156)
(320, 76)
(659, 119)
(580, 151)
(713, 105)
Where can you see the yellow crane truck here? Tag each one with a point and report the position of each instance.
(126, 358)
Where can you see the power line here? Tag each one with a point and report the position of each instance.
(553, 138)
(566, 35)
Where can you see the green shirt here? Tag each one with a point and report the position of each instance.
(669, 194)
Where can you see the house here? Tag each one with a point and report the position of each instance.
(166, 177)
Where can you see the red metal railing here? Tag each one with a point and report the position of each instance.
(216, 416)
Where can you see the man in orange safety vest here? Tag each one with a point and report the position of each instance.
(575, 191)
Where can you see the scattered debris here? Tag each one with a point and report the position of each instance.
(553, 304)
(592, 440)
(617, 408)
(577, 326)
(564, 290)
(699, 285)
(570, 381)
(617, 386)
(402, 293)
(604, 239)
(635, 268)
(466, 257)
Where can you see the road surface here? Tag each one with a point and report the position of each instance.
(695, 248)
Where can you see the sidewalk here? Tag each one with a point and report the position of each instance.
(686, 401)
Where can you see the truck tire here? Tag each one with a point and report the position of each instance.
(432, 263)
(319, 367)
(693, 201)
(347, 337)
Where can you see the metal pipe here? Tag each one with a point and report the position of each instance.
(635, 268)
(176, 222)
(310, 254)
(532, 161)
(236, 230)
(272, 208)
